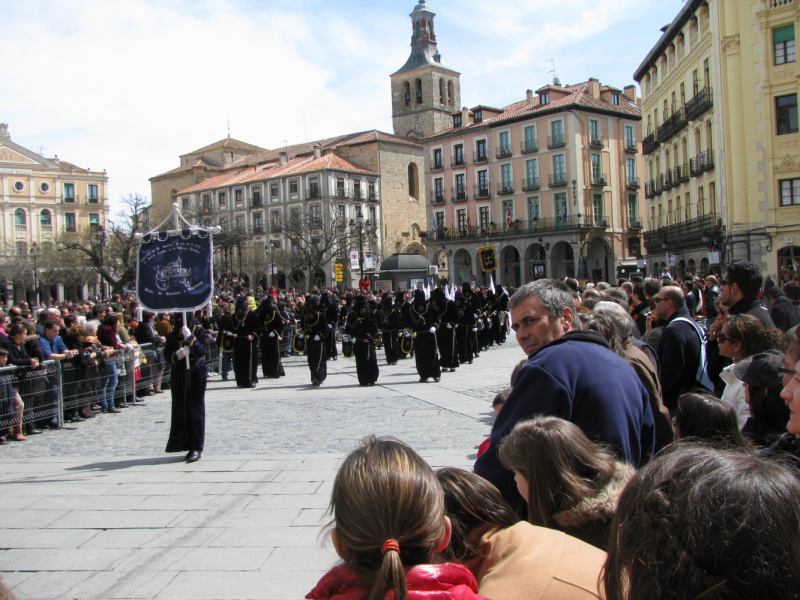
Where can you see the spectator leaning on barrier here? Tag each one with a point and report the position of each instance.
(571, 374)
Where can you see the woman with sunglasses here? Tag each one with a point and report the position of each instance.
(741, 337)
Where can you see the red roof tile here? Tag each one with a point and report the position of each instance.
(577, 96)
(294, 166)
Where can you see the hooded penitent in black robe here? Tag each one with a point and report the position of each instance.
(314, 326)
(363, 328)
(331, 310)
(188, 387)
(421, 319)
(466, 323)
(492, 319)
(501, 303)
(244, 325)
(402, 307)
(390, 325)
(475, 303)
(271, 325)
(448, 324)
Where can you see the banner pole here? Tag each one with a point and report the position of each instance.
(177, 211)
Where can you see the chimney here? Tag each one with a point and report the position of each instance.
(629, 91)
(317, 150)
(594, 87)
(283, 158)
(4, 131)
(464, 116)
(529, 96)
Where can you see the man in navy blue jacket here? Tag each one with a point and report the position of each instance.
(570, 374)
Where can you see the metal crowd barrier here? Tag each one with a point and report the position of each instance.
(56, 386)
(40, 390)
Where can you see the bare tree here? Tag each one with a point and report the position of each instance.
(315, 235)
(112, 252)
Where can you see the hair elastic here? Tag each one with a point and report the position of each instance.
(390, 545)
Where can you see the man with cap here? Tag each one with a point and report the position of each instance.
(763, 382)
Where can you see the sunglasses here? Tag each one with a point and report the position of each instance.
(722, 339)
(785, 371)
(725, 282)
(657, 299)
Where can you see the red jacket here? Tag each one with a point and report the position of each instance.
(364, 285)
(447, 581)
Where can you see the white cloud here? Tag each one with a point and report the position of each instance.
(128, 85)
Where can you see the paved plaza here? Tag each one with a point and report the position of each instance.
(99, 511)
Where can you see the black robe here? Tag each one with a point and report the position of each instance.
(464, 334)
(271, 325)
(390, 326)
(245, 352)
(421, 320)
(314, 324)
(188, 387)
(402, 313)
(363, 329)
(446, 336)
(502, 307)
(332, 319)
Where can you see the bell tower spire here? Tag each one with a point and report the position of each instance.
(424, 91)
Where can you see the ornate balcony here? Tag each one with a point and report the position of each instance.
(598, 179)
(556, 141)
(481, 191)
(558, 180)
(702, 101)
(503, 189)
(672, 125)
(632, 183)
(650, 143)
(596, 141)
(529, 146)
(503, 151)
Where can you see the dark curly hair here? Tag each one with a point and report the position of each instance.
(700, 521)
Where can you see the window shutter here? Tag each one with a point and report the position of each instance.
(783, 34)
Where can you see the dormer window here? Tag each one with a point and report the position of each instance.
(544, 98)
(478, 116)
(457, 121)
(615, 99)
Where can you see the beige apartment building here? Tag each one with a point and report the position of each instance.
(44, 201)
(553, 182)
(760, 78)
(719, 101)
(682, 111)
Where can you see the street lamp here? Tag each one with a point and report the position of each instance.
(268, 249)
(101, 238)
(35, 253)
(360, 228)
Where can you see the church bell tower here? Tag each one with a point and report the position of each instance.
(425, 92)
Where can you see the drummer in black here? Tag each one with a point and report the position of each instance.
(423, 320)
(363, 328)
(271, 325)
(315, 330)
(446, 336)
(390, 325)
(331, 310)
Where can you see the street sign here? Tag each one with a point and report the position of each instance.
(488, 258)
(337, 272)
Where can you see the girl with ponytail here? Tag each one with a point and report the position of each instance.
(388, 526)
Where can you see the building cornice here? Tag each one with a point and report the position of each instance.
(686, 63)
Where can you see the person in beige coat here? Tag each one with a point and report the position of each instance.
(512, 559)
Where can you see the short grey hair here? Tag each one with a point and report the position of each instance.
(619, 317)
(555, 296)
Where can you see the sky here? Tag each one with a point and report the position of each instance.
(129, 85)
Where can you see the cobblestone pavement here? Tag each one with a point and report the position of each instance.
(289, 415)
(99, 511)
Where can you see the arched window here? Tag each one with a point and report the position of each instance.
(441, 91)
(418, 85)
(449, 92)
(407, 93)
(45, 218)
(412, 180)
(19, 217)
